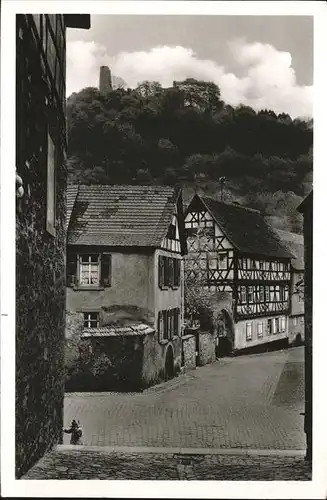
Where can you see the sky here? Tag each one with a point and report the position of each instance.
(260, 61)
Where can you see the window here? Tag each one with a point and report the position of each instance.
(250, 295)
(168, 324)
(282, 324)
(248, 331)
(222, 260)
(165, 325)
(91, 319)
(51, 188)
(260, 329)
(271, 294)
(171, 232)
(277, 293)
(261, 265)
(269, 326)
(295, 321)
(275, 325)
(88, 270)
(267, 293)
(286, 293)
(243, 295)
(169, 272)
(262, 293)
(282, 294)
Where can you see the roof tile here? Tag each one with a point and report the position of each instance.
(246, 229)
(121, 215)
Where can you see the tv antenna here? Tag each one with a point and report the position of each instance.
(222, 181)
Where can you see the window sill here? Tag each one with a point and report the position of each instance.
(87, 288)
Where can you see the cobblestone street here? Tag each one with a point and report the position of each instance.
(251, 402)
(89, 464)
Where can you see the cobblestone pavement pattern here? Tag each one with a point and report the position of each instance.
(79, 464)
(249, 401)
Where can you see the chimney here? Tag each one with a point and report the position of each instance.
(105, 79)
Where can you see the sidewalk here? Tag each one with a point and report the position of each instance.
(86, 462)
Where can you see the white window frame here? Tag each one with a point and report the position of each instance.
(277, 293)
(51, 187)
(224, 260)
(250, 291)
(89, 264)
(248, 331)
(275, 326)
(282, 324)
(295, 321)
(243, 295)
(260, 329)
(89, 320)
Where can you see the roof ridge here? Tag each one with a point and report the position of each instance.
(232, 204)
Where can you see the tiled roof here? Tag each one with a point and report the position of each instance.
(295, 244)
(120, 215)
(246, 229)
(118, 331)
(72, 190)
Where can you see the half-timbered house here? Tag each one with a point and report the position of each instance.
(240, 262)
(294, 242)
(125, 274)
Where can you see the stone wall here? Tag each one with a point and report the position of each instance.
(296, 329)
(189, 352)
(154, 358)
(40, 256)
(206, 348)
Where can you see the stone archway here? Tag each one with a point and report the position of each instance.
(169, 363)
(225, 334)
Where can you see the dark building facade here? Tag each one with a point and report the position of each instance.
(40, 230)
(306, 208)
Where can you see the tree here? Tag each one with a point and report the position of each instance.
(205, 96)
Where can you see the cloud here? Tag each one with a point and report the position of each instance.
(268, 79)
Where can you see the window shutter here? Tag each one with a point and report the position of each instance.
(165, 324)
(160, 271)
(165, 271)
(105, 277)
(177, 272)
(71, 269)
(170, 272)
(159, 326)
(178, 321)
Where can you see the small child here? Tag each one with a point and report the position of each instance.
(76, 432)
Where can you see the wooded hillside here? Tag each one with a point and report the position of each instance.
(187, 134)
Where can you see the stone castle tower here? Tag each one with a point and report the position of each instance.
(105, 84)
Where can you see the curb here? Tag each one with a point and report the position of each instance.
(181, 451)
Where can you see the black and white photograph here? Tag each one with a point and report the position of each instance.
(162, 254)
